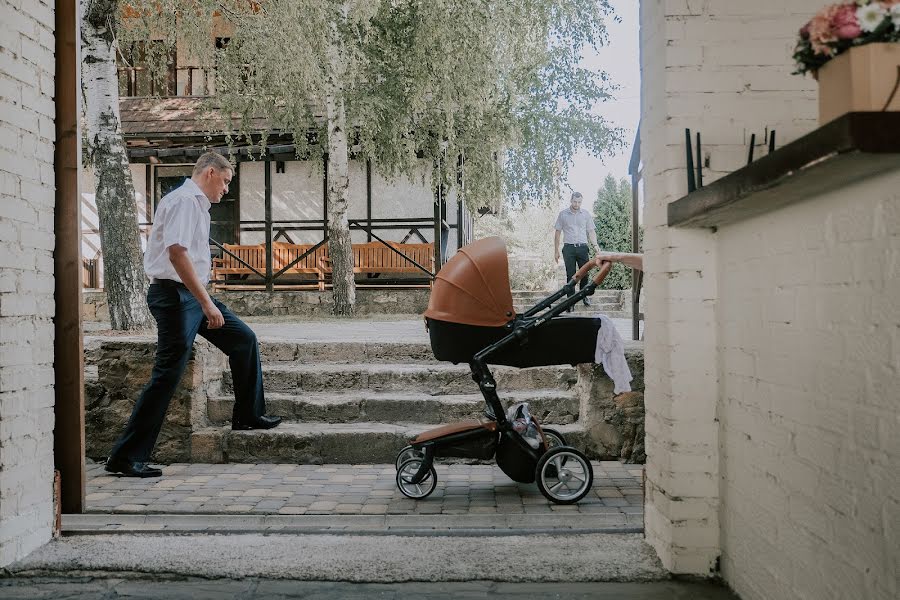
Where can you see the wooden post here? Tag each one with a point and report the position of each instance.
(369, 198)
(68, 346)
(636, 277)
(325, 197)
(270, 284)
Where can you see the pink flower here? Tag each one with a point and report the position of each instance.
(844, 23)
(804, 31)
(821, 32)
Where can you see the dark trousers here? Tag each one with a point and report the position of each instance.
(179, 319)
(575, 256)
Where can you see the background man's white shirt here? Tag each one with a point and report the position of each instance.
(182, 218)
(575, 225)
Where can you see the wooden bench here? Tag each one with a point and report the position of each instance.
(376, 258)
(255, 256)
(371, 258)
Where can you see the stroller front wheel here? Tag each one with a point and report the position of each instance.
(407, 453)
(564, 475)
(407, 472)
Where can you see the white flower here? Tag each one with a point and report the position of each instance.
(895, 15)
(870, 16)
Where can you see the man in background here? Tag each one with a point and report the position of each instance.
(577, 227)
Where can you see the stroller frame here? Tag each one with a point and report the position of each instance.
(427, 450)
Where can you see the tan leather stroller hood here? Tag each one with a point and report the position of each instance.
(473, 287)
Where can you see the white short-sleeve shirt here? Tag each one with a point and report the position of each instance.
(576, 226)
(182, 218)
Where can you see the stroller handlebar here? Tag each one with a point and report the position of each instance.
(605, 267)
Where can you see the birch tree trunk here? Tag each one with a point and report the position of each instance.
(123, 269)
(340, 248)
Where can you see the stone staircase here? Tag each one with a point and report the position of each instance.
(613, 303)
(356, 402)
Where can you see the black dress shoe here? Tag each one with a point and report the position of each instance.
(263, 422)
(131, 469)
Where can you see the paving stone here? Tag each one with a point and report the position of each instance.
(286, 489)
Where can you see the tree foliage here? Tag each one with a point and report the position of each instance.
(612, 218)
(491, 92)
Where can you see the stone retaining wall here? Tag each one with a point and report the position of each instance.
(116, 370)
(412, 301)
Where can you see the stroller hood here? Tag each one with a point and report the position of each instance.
(473, 287)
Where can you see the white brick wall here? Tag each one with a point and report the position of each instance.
(26, 276)
(720, 67)
(809, 364)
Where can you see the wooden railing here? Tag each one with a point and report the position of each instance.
(299, 266)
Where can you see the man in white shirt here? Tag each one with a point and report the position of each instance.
(177, 260)
(577, 225)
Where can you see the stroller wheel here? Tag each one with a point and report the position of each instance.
(407, 453)
(564, 475)
(416, 491)
(553, 438)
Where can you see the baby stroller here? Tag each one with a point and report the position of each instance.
(470, 318)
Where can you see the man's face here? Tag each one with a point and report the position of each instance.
(217, 182)
(576, 203)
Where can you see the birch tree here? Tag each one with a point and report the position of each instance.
(489, 92)
(123, 270)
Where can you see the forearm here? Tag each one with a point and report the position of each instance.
(635, 261)
(556, 241)
(185, 269)
(592, 237)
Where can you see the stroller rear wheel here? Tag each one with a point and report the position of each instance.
(553, 438)
(407, 453)
(564, 475)
(407, 472)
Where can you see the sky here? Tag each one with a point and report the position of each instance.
(620, 58)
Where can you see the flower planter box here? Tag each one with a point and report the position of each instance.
(860, 79)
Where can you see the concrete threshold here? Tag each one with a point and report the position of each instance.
(406, 525)
(354, 558)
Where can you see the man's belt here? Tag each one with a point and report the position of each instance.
(165, 282)
(576, 245)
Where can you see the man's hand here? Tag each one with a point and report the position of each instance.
(557, 255)
(214, 318)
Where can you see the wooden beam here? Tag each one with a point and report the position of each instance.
(369, 198)
(270, 284)
(68, 346)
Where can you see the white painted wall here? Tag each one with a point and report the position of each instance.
(809, 369)
(772, 344)
(27, 307)
(723, 68)
(297, 194)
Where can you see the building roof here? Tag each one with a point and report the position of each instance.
(182, 127)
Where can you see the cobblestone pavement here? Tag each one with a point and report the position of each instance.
(105, 588)
(269, 489)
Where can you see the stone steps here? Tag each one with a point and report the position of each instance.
(361, 402)
(319, 443)
(346, 352)
(550, 406)
(434, 379)
(609, 302)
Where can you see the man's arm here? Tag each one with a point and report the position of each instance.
(556, 245)
(592, 236)
(635, 261)
(179, 258)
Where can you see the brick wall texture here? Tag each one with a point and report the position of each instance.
(772, 344)
(809, 342)
(26, 276)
